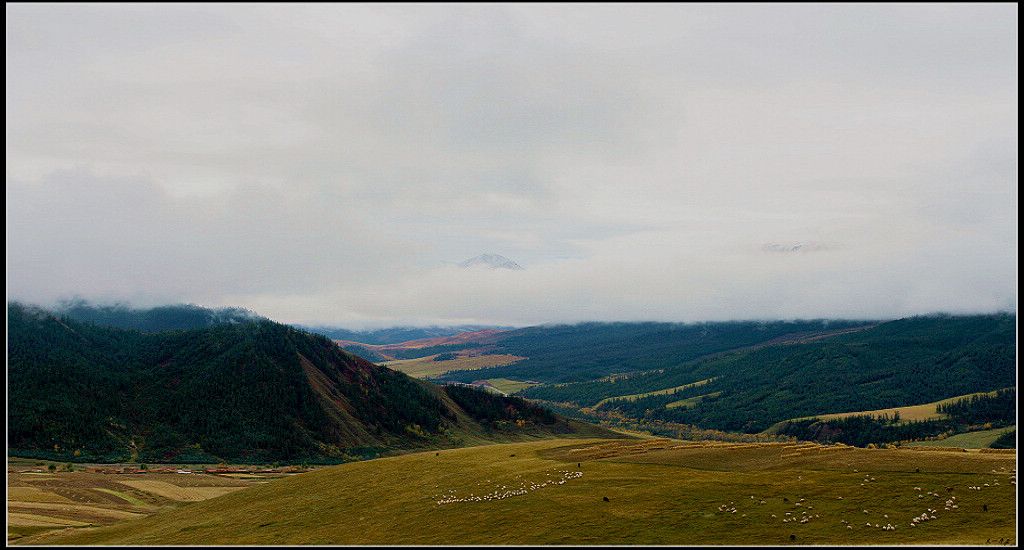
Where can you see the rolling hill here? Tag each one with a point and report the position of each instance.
(601, 492)
(252, 392)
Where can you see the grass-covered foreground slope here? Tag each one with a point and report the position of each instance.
(608, 492)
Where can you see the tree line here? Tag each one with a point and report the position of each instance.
(962, 415)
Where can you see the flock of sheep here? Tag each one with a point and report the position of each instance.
(801, 513)
(504, 491)
(884, 523)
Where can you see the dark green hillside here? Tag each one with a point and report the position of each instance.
(899, 363)
(241, 392)
(498, 410)
(589, 351)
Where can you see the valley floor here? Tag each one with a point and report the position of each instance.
(41, 501)
(577, 492)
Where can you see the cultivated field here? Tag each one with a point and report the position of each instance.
(427, 367)
(40, 501)
(616, 492)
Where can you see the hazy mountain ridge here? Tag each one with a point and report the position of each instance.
(155, 319)
(396, 335)
(191, 316)
(493, 261)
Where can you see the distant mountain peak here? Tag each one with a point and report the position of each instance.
(494, 261)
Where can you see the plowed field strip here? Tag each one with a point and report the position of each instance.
(175, 492)
(33, 494)
(72, 509)
(34, 520)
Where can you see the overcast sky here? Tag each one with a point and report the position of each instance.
(333, 163)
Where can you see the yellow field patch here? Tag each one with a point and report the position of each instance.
(33, 494)
(34, 511)
(176, 492)
(926, 411)
(167, 490)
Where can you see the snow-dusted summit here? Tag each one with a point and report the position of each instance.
(494, 261)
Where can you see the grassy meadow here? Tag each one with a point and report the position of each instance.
(659, 392)
(970, 440)
(507, 386)
(926, 411)
(604, 492)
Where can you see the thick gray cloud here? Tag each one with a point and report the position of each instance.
(329, 163)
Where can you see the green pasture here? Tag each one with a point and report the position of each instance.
(509, 386)
(541, 493)
(658, 392)
(971, 440)
(691, 401)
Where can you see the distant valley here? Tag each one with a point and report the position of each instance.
(744, 378)
(741, 378)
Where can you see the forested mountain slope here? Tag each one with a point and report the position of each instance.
(252, 392)
(897, 363)
(589, 351)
